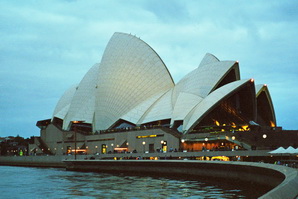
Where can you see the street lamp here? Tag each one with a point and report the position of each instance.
(206, 139)
(75, 135)
(144, 145)
(264, 136)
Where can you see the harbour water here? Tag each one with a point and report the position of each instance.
(29, 182)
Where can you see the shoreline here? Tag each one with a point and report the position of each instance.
(283, 180)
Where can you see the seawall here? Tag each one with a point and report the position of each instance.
(282, 180)
(33, 161)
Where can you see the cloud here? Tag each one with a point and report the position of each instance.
(47, 46)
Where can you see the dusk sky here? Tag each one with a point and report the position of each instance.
(48, 46)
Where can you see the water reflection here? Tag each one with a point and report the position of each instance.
(21, 182)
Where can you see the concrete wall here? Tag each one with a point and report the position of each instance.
(34, 161)
(58, 140)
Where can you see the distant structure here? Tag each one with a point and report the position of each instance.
(129, 102)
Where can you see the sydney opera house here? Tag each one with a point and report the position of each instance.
(129, 102)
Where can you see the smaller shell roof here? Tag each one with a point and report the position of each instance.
(264, 88)
(160, 110)
(83, 102)
(209, 102)
(184, 104)
(64, 102)
(135, 114)
(208, 59)
(204, 79)
(260, 88)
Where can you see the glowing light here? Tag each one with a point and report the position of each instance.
(143, 143)
(78, 150)
(146, 136)
(206, 139)
(252, 80)
(245, 128)
(233, 125)
(216, 122)
(272, 124)
(77, 122)
(264, 136)
(233, 137)
(265, 84)
(182, 140)
(220, 158)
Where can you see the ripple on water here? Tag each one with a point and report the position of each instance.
(22, 182)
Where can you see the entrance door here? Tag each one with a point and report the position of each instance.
(151, 148)
(103, 148)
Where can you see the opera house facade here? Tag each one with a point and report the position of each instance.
(129, 102)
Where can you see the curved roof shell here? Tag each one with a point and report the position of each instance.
(265, 108)
(130, 73)
(205, 78)
(83, 102)
(210, 102)
(64, 102)
(132, 84)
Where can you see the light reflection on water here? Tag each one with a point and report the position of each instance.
(24, 182)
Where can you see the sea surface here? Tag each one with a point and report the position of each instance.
(29, 182)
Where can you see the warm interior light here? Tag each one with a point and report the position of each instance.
(76, 122)
(221, 158)
(146, 136)
(120, 149)
(78, 150)
(272, 124)
(216, 122)
(245, 128)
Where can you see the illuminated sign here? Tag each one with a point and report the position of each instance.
(148, 136)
